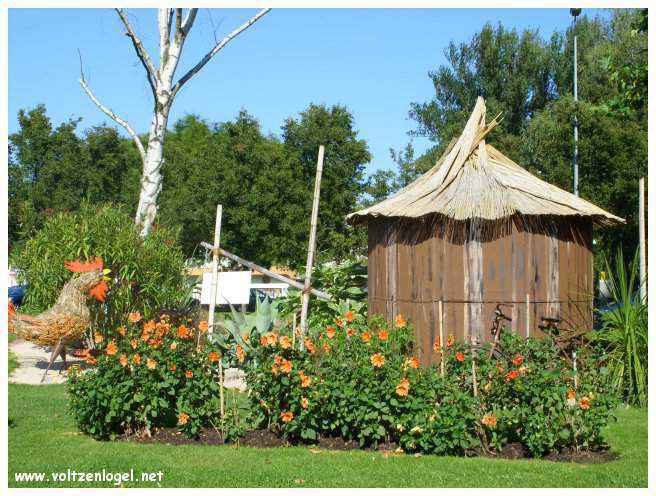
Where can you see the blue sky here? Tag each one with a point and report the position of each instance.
(373, 61)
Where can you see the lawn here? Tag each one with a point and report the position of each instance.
(43, 438)
(13, 361)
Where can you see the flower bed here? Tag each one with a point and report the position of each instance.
(360, 381)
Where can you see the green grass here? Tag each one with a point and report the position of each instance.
(43, 438)
(13, 361)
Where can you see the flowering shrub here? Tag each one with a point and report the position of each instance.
(362, 381)
(153, 374)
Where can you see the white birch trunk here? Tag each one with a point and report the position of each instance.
(173, 32)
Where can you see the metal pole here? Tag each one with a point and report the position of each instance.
(576, 120)
(641, 227)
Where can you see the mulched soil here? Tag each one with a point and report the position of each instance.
(262, 438)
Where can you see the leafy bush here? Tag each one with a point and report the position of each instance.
(153, 374)
(623, 335)
(147, 273)
(359, 381)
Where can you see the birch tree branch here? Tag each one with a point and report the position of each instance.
(142, 53)
(165, 17)
(189, 21)
(115, 118)
(194, 70)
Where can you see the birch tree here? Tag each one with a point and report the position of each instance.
(174, 27)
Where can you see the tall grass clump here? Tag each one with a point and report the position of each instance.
(623, 332)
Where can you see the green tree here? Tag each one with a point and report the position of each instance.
(342, 183)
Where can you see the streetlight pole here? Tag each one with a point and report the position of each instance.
(575, 13)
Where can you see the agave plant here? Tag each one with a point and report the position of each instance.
(241, 327)
(623, 333)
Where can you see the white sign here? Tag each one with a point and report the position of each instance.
(234, 288)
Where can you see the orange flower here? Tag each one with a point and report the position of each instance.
(287, 416)
(304, 402)
(350, 332)
(183, 332)
(111, 348)
(383, 334)
(241, 355)
(460, 357)
(122, 330)
(339, 322)
(134, 317)
(263, 341)
(123, 360)
(413, 362)
(149, 326)
(349, 316)
(305, 380)
(400, 321)
(91, 360)
(274, 369)
(436, 345)
(272, 338)
(584, 403)
(450, 340)
(189, 374)
(377, 360)
(326, 347)
(286, 366)
(173, 345)
(366, 337)
(309, 345)
(183, 418)
(277, 359)
(330, 332)
(571, 394)
(518, 359)
(203, 326)
(134, 343)
(98, 338)
(403, 387)
(151, 363)
(173, 367)
(213, 356)
(285, 342)
(513, 374)
(136, 359)
(490, 420)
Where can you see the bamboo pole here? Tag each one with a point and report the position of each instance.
(305, 295)
(643, 253)
(222, 251)
(474, 379)
(439, 307)
(213, 291)
(528, 315)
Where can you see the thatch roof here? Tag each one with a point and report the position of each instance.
(473, 180)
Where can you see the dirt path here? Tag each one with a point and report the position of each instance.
(33, 360)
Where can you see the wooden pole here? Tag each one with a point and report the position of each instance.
(319, 294)
(214, 289)
(439, 307)
(528, 315)
(643, 253)
(474, 379)
(305, 295)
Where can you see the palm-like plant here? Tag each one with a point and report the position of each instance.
(623, 333)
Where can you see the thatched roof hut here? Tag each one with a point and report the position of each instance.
(478, 230)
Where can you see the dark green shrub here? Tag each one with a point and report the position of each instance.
(147, 274)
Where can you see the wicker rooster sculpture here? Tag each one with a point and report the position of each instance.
(67, 320)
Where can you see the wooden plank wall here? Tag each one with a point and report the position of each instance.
(410, 272)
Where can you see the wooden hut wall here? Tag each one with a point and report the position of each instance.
(410, 272)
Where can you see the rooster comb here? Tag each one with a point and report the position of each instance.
(78, 266)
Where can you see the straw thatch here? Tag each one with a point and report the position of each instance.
(473, 180)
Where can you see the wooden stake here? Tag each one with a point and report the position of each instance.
(214, 289)
(528, 315)
(474, 379)
(305, 295)
(641, 230)
(439, 307)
